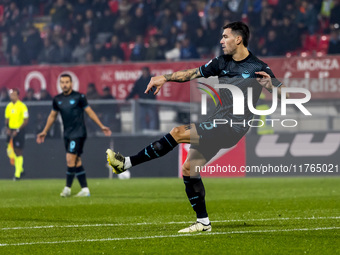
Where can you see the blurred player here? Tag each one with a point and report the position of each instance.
(72, 106)
(237, 66)
(16, 118)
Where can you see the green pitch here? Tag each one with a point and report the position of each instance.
(249, 216)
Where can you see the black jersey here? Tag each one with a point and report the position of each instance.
(241, 74)
(71, 108)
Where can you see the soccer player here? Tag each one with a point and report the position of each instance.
(16, 118)
(72, 106)
(236, 66)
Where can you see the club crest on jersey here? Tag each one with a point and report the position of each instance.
(245, 74)
(72, 101)
(59, 102)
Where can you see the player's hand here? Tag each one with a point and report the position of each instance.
(156, 82)
(14, 133)
(106, 131)
(265, 80)
(8, 132)
(41, 137)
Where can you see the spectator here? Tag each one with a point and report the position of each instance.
(289, 35)
(122, 25)
(138, 51)
(307, 18)
(32, 44)
(79, 53)
(29, 95)
(272, 45)
(139, 23)
(175, 53)
(13, 38)
(16, 58)
(111, 115)
(191, 17)
(4, 96)
(115, 53)
(201, 41)
(88, 33)
(91, 19)
(188, 50)
(44, 95)
(49, 53)
(148, 115)
(335, 15)
(80, 7)
(164, 21)
(153, 52)
(64, 52)
(91, 92)
(107, 21)
(99, 52)
(334, 43)
(61, 14)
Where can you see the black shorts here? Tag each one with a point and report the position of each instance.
(74, 145)
(18, 140)
(212, 139)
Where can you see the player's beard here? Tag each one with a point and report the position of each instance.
(67, 90)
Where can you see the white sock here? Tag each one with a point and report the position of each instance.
(86, 189)
(127, 163)
(204, 221)
(67, 188)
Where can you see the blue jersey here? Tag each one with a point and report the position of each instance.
(241, 74)
(71, 108)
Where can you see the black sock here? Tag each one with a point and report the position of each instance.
(196, 193)
(70, 176)
(80, 173)
(154, 150)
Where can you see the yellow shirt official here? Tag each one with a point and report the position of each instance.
(16, 113)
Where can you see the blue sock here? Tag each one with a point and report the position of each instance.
(70, 176)
(196, 194)
(81, 175)
(155, 150)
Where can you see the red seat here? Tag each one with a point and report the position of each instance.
(310, 43)
(323, 43)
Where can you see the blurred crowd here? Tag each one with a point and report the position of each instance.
(100, 31)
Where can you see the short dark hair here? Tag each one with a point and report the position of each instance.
(241, 29)
(14, 89)
(66, 75)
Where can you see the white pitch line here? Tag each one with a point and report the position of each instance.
(171, 236)
(172, 222)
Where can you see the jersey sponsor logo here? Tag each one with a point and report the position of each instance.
(301, 146)
(72, 101)
(246, 74)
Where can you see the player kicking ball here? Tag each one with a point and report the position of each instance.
(72, 106)
(237, 66)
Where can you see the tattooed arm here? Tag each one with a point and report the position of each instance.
(180, 76)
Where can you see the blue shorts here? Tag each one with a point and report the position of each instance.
(213, 138)
(75, 145)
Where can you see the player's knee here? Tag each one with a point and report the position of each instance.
(186, 168)
(177, 134)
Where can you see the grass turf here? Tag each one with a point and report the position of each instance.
(250, 216)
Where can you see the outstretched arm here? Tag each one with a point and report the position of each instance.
(95, 118)
(50, 120)
(180, 76)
